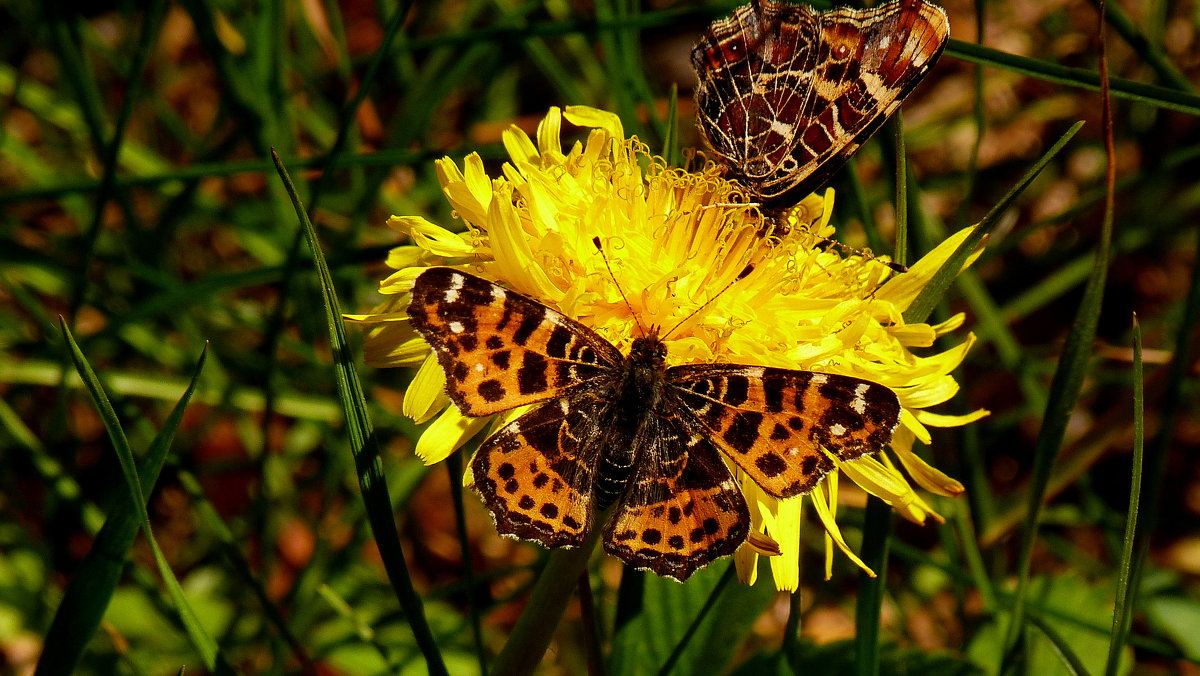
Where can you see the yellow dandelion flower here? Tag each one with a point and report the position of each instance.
(689, 254)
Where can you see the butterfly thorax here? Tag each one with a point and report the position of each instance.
(636, 398)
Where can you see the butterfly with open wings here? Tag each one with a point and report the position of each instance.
(629, 437)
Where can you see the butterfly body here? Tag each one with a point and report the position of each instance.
(630, 431)
(786, 93)
(637, 396)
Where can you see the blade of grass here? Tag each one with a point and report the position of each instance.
(1068, 375)
(535, 628)
(1151, 53)
(931, 295)
(877, 537)
(790, 648)
(592, 643)
(979, 120)
(1123, 612)
(1169, 409)
(209, 652)
(91, 588)
(1153, 95)
(277, 318)
(362, 627)
(229, 546)
(713, 596)
(195, 172)
(455, 469)
(111, 151)
(365, 447)
(620, 43)
(245, 399)
(877, 529)
(1070, 661)
(670, 146)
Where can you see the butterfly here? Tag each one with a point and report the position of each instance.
(625, 442)
(786, 93)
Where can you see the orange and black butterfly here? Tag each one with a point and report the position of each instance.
(629, 432)
(786, 93)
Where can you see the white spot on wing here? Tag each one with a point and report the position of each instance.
(819, 379)
(451, 295)
(456, 281)
(860, 403)
(837, 429)
(455, 327)
(497, 293)
(783, 129)
(478, 368)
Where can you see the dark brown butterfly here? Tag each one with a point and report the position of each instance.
(787, 93)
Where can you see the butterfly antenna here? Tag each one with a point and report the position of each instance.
(632, 313)
(741, 275)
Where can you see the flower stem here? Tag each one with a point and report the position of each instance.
(551, 593)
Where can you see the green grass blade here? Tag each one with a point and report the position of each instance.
(690, 633)
(204, 644)
(931, 295)
(691, 628)
(207, 515)
(454, 468)
(1170, 407)
(877, 531)
(1153, 95)
(1070, 661)
(365, 446)
(88, 593)
(1151, 53)
(1123, 613)
(978, 117)
(670, 146)
(900, 186)
(551, 593)
(877, 537)
(1068, 380)
(151, 25)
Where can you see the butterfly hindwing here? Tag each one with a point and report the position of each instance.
(536, 474)
(786, 93)
(500, 349)
(683, 508)
(773, 423)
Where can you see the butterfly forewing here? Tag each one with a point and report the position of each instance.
(786, 94)
(499, 349)
(773, 423)
(682, 509)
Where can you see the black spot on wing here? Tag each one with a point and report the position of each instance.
(737, 390)
(491, 390)
(531, 377)
(742, 433)
(556, 345)
(529, 323)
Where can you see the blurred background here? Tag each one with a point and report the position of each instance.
(138, 202)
